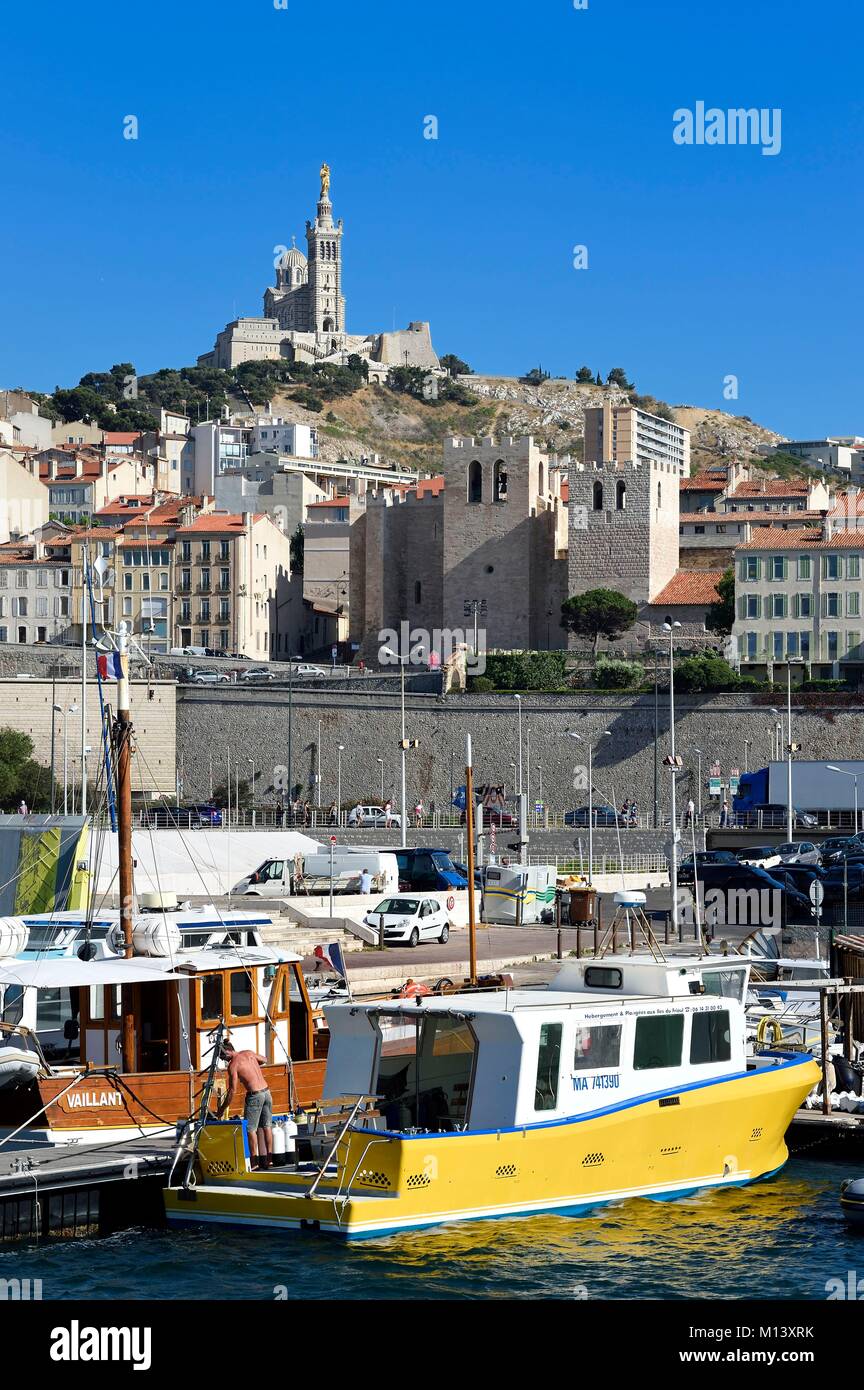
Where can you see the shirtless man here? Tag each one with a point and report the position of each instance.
(245, 1068)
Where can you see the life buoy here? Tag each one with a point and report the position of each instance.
(412, 989)
(762, 1031)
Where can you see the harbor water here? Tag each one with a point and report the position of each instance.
(780, 1239)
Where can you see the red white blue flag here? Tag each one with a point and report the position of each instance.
(332, 955)
(110, 666)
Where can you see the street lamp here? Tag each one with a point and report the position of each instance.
(518, 699)
(670, 628)
(252, 790)
(381, 761)
(55, 709)
(854, 776)
(340, 749)
(790, 814)
(605, 734)
(73, 709)
(388, 651)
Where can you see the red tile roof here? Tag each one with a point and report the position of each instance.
(217, 523)
(771, 538)
(690, 586)
(121, 436)
(800, 518)
(771, 487)
(702, 482)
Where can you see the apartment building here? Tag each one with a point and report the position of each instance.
(626, 434)
(232, 574)
(35, 593)
(799, 599)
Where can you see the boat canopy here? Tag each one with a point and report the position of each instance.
(72, 973)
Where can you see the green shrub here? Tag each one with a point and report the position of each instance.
(705, 671)
(526, 670)
(610, 673)
(481, 684)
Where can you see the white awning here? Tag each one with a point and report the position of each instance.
(70, 973)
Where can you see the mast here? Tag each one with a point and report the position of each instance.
(84, 580)
(469, 831)
(122, 758)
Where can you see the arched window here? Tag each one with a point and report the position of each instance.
(499, 481)
(621, 495)
(598, 497)
(417, 591)
(659, 495)
(475, 481)
(541, 480)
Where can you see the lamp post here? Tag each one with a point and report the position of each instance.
(73, 709)
(340, 749)
(670, 628)
(318, 768)
(381, 762)
(854, 776)
(252, 789)
(518, 699)
(55, 709)
(790, 815)
(528, 766)
(388, 651)
(605, 734)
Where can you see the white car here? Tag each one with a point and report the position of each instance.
(375, 816)
(306, 670)
(410, 920)
(759, 856)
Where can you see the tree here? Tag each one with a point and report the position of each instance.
(535, 377)
(598, 613)
(721, 615)
(241, 795)
(618, 377)
(585, 374)
(454, 365)
(705, 671)
(598, 380)
(21, 777)
(297, 551)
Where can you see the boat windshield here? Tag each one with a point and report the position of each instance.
(729, 984)
(425, 1068)
(11, 1004)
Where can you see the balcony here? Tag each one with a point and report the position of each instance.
(203, 589)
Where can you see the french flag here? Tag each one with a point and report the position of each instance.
(110, 666)
(332, 955)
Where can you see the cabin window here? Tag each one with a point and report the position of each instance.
(603, 977)
(424, 1071)
(96, 1003)
(658, 1041)
(548, 1067)
(711, 1038)
(241, 994)
(13, 1005)
(597, 1047)
(211, 997)
(728, 984)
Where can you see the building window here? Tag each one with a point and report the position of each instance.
(830, 566)
(499, 476)
(832, 646)
(778, 646)
(752, 567)
(853, 604)
(659, 495)
(620, 496)
(832, 605)
(163, 580)
(853, 566)
(805, 646)
(475, 481)
(598, 497)
(417, 590)
(127, 607)
(778, 567)
(791, 644)
(804, 567)
(127, 581)
(778, 605)
(754, 606)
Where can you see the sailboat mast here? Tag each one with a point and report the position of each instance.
(85, 561)
(122, 757)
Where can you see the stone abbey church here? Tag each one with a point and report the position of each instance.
(304, 311)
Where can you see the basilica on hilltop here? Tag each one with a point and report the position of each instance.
(304, 312)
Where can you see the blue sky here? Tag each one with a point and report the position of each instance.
(555, 130)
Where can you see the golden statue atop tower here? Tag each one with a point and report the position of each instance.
(325, 181)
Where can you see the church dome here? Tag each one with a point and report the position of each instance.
(292, 259)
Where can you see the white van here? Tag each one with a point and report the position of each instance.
(310, 873)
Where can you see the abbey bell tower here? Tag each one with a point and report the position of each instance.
(325, 299)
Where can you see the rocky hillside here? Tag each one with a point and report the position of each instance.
(408, 431)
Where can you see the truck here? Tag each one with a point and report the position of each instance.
(815, 787)
(310, 873)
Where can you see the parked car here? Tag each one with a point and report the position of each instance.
(493, 815)
(731, 877)
(703, 857)
(410, 920)
(306, 670)
(799, 852)
(210, 678)
(600, 815)
(374, 816)
(762, 856)
(852, 848)
(257, 673)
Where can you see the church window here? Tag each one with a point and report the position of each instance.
(621, 495)
(475, 481)
(500, 481)
(540, 479)
(598, 497)
(659, 494)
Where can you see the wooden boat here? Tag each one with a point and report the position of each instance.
(623, 1078)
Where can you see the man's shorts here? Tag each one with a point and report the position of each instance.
(258, 1110)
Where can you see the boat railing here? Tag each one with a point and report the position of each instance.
(359, 1100)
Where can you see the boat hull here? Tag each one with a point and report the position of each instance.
(716, 1134)
(121, 1106)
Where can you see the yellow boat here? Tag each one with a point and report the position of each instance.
(623, 1078)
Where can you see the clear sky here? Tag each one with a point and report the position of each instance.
(555, 130)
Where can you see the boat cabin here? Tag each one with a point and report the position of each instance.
(604, 1032)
